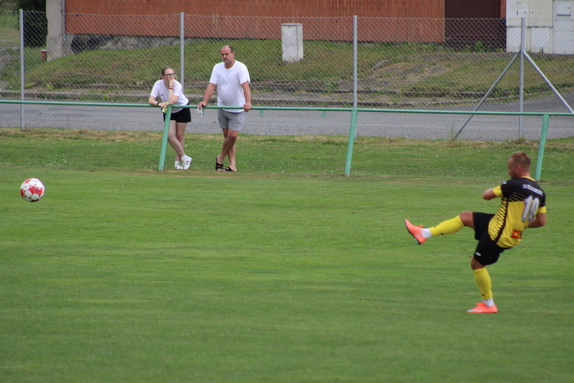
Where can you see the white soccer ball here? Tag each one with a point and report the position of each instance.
(32, 190)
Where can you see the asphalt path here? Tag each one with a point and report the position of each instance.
(313, 122)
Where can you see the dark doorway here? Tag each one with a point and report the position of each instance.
(474, 24)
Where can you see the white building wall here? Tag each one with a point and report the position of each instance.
(563, 42)
(549, 26)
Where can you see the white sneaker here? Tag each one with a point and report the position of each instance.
(186, 161)
(178, 166)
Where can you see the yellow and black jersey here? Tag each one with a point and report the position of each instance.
(522, 199)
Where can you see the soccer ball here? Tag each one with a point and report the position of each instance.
(32, 190)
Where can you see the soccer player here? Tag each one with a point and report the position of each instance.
(231, 79)
(522, 205)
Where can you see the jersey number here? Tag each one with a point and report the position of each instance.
(531, 205)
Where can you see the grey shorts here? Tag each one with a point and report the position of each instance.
(229, 120)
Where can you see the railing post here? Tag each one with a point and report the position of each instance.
(541, 146)
(352, 130)
(164, 138)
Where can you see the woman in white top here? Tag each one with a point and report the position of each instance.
(170, 91)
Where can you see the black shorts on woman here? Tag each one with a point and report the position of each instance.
(183, 115)
(487, 251)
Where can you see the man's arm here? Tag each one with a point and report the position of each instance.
(247, 94)
(207, 95)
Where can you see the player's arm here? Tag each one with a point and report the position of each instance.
(247, 93)
(490, 194)
(538, 221)
(207, 95)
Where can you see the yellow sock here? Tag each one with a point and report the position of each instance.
(482, 279)
(449, 226)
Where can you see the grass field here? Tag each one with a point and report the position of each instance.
(285, 271)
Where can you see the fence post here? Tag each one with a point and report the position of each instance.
(22, 77)
(541, 146)
(164, 138)
(355, 70)
(521, 80)
(182, 48)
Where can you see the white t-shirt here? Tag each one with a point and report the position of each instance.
(159, 90)
(228, 81)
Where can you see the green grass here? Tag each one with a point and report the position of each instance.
(283, 272)
(423, 73)
(403, 70)
(9, 28)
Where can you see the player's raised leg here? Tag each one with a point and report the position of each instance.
(450, 226)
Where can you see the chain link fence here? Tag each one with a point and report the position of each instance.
(424, 64)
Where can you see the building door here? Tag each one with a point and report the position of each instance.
(475, 24)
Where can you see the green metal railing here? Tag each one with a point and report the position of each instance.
(352, 129)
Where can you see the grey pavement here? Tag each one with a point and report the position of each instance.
(310, 122)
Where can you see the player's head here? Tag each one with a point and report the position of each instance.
(518, 165)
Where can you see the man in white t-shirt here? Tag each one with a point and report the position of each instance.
(231, 79)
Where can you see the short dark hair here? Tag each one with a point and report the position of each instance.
(521, 159)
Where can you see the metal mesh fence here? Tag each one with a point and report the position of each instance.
(401, 64)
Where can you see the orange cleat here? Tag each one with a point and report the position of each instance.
(415, 232)
(481, 308)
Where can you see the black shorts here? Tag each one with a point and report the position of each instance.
(183, 115)
(487, 251)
